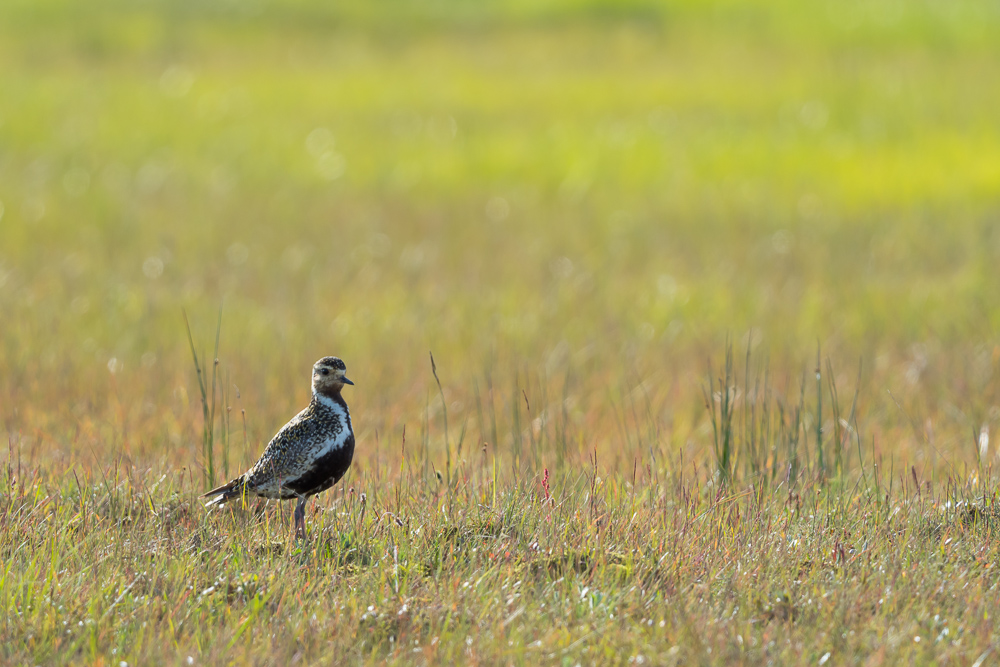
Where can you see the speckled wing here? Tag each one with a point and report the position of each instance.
(288, 455)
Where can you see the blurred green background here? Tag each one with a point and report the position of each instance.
(573, 199)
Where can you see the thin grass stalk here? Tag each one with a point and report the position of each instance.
(795, 465)
(820, 463)
(226, 426)
(206, 437)
(562, 436)
(515, 413)
(722, 417)
(211, 422)
(748, 416)
(531, 430)
(838, 450)
(444, 411)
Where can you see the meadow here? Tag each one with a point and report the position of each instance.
(711, 290)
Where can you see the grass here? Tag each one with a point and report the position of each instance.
(621, 227)
(662, 567)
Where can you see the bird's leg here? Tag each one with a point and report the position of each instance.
(300, 518)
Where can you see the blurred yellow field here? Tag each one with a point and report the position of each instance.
(580, 207)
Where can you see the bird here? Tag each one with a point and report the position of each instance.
(310, 453)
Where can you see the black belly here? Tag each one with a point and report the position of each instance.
(325, 471)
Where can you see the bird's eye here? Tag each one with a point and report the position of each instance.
(324, 371)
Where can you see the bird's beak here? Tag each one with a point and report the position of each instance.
(346, 381)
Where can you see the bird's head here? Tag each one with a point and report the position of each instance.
(329, 376)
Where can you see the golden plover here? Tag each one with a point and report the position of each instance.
(308, 455)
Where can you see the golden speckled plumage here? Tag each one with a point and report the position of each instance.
(309, 454)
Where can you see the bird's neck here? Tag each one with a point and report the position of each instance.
(329, 397)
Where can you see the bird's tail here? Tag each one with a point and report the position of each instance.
(223, 494)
